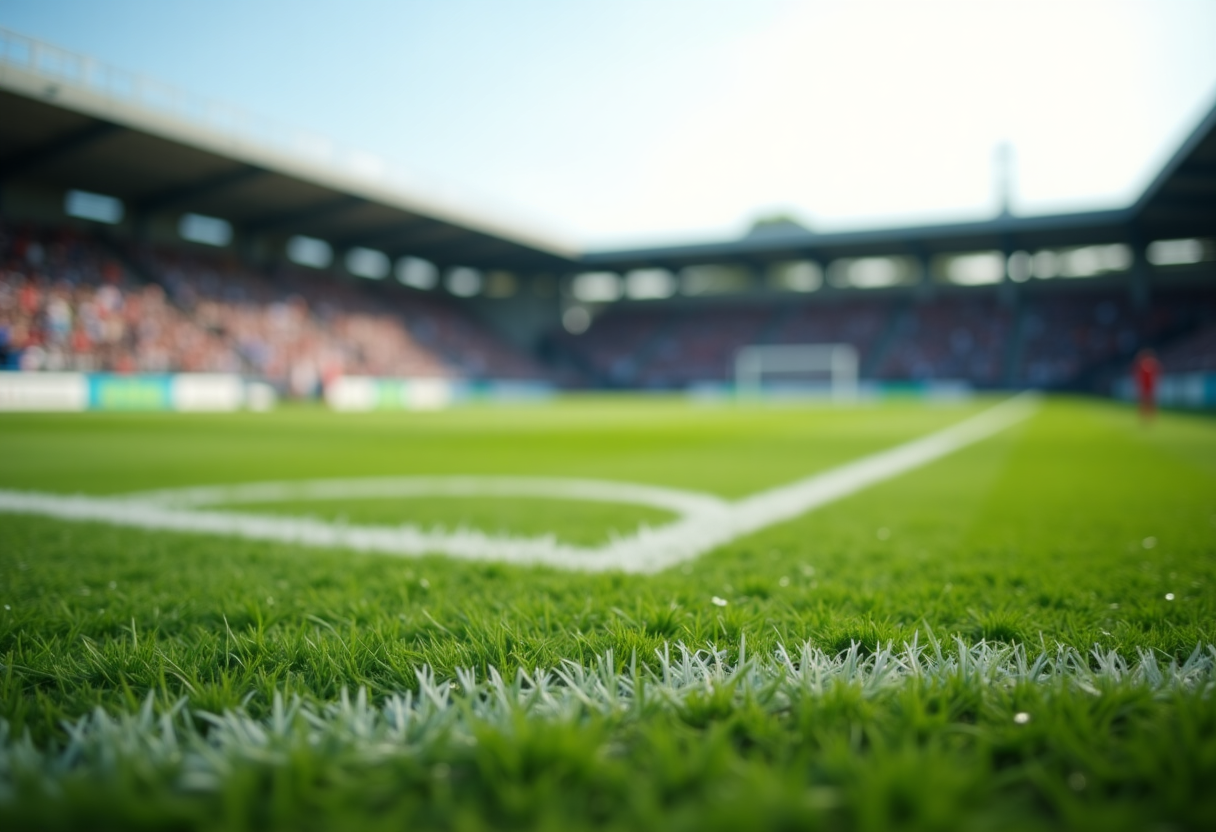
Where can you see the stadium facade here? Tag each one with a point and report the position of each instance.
(225, 213)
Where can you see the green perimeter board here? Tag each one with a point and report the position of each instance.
(1079, 526)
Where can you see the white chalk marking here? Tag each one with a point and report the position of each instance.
(705, 521)
(198, 750)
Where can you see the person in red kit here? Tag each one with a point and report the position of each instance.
(1147, 371)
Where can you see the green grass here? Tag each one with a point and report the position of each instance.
(1069, 529)
(570, 521)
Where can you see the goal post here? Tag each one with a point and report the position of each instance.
(838, 361)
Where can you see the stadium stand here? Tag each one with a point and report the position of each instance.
(1064, 335)
(293, 330)
(79, 292)
(858, 322)
(610, 351)
(1068, 335)
(1051, 339)
(672, 347)
(69, 301)
(72, 301)
(1194, 353)
(951, 338)
(466, 345)
(699, 345)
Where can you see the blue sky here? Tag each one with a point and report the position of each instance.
(631, 122)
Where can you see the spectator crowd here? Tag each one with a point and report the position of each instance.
(71, 302)
(1048, 339)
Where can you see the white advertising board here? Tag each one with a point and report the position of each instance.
(207, 392)
(359, 393)
(57, 392)
(43, 392)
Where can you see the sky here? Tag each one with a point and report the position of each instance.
(610, 124)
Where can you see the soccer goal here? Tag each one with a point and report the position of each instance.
(837, 364)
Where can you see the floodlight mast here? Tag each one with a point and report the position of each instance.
(752, 363)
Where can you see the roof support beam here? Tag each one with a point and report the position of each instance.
(1196, 175)
(490, 253)
(304, 215)
(435, 233)
(26, 162)
(180, 195)
(1198, 204)
(460, 252)
(385, 235)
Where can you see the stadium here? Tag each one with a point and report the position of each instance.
(327, 502)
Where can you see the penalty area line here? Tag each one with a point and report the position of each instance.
(704, 523)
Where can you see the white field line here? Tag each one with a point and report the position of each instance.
(455, 712)
(692, 536)
(705, 522)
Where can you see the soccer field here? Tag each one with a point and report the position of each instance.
(1012, 630)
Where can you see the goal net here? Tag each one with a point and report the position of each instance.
(830, 368)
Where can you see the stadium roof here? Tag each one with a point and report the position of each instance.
(72, 122)
(1180, 202)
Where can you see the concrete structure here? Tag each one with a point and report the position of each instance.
(71, 123)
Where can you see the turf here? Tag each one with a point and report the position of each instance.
(1078, 528)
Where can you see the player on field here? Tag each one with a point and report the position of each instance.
(1147, 370)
